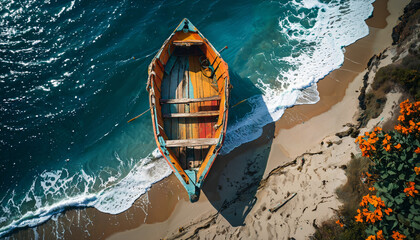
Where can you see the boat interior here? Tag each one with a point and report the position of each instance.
(190, 104)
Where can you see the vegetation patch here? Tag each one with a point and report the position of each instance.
(405, 76)
(387, 204)
(345, 227)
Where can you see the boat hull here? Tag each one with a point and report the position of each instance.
(188, 89)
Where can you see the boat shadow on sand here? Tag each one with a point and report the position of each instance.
(234, 179)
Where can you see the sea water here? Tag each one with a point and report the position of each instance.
(73, 72)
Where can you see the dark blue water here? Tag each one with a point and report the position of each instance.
(73, 72)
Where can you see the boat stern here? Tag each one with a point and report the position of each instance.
(192, 190)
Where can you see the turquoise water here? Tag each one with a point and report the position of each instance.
(73, 72)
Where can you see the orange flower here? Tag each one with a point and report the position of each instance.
(410, 190)
(417, 150)
(371, 237)
(412, 124)
(409, 116)
(372, 189)
(340, 223)
(398, 146)
(388, 211)
(379, 235)
(386, 140)
(359, 216)
(417, 170)
(401, 118)
(371, 216)
(387, 147)
(397, 235)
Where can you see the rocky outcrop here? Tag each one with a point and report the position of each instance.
(408, 20)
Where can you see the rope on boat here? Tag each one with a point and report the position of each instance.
(134, 118)
(239, 102)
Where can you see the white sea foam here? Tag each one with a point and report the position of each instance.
(121, 196)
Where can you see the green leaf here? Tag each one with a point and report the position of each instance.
(370, 231)
(415, 225)
(395, 223)
(406, 232)
(400, 167)
(390, 172)
(399, 200)
(402, 176)
(415, 210)
(392, 186)
(387, 195)
(410, 161)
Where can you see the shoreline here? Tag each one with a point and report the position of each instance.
(171, 210)
(333, 86)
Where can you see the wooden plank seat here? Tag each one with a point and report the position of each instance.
(192, 142)
(189, 100)
(187, 43)
(194, 114)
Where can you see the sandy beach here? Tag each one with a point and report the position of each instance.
(299, 154)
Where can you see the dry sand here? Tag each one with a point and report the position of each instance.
(229, 208)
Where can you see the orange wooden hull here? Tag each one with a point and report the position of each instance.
(189, 98)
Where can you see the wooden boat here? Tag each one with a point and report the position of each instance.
(188, 89)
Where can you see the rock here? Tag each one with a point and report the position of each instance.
(362, 95)
(355, 133)
(401, 31)
(345, 133)
(371, 61)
